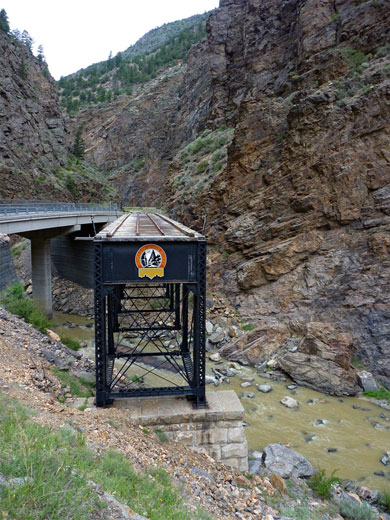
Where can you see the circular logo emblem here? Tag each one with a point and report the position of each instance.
(150, 260)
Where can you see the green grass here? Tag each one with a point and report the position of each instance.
(384, 500)
(322, 484)
(71, 343)
(355, 511)
(356, 363)
(247, 326)
(14, 300)
(161, 435)
(382, 393)
(59, 466)
(78, 387)
(17, 249)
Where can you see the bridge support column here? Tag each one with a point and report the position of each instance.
(41, 273)
(41, 263)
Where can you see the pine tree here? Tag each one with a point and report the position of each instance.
(40, 55)
(27, 40)
(4, 24)
(79, 145)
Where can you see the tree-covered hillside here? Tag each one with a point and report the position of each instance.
(106, 80)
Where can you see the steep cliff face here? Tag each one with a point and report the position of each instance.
(303, 205)
(35, 144)
(136, 136)
(33, 137)
(277, 128)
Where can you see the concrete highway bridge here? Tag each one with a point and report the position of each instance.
(52, 228)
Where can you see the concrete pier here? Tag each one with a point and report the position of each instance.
(41, 274)
(41, 264)
(217, 430)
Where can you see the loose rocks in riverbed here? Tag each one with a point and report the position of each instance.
(289, 402)
(286, 462)
(215, 357)
(264, 388)
(386, 459)
(254, 466)
(217, 337)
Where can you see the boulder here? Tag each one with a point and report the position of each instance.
(254, 466)
(286, 462)
(289, 402)
(209, 327)
(53, 335)
(386, 459)
(367, 381)
(256, 345)
(264, 388)
(217, 337)
(323, 361)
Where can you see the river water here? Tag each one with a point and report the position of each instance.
(348, 434)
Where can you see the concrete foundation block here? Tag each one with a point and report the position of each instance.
(236, 434)
(187, 438)
(217, 431)
(234, 450)
(213, 436)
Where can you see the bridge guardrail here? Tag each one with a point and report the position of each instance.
(15, 207)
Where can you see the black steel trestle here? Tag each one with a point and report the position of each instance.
(150, 333)
(151, 345)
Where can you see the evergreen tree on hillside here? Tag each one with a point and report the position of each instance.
(40, 55)
(100, 82)
(4, 24)
(27, 40)
(79, 145)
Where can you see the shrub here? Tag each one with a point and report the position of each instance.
(17, 249)
(201, 166)
(384, 500)
(356, 511)
(198, 145)
(355, 59)
(217, 167)
(15, 301)
(71, 185)
(322, 484)
(71, 343)
(382, 393)
(161, 435)
(217, 156)
(247, 326)
(383, 51)
(78, 387)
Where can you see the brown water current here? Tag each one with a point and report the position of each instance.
(349, 434)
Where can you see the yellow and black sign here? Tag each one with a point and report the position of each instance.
(150, 260)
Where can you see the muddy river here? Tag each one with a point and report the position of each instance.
(349, 434)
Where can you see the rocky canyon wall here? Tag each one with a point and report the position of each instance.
(36, 159)
(302, 210)
(277, 128)
(33, 137)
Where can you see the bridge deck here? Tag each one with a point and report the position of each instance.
(137, 226)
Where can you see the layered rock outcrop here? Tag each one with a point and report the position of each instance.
(33, 137)
(303, 208)
(36, 159)
(299, 207)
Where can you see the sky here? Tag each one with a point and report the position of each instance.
(77, 33)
